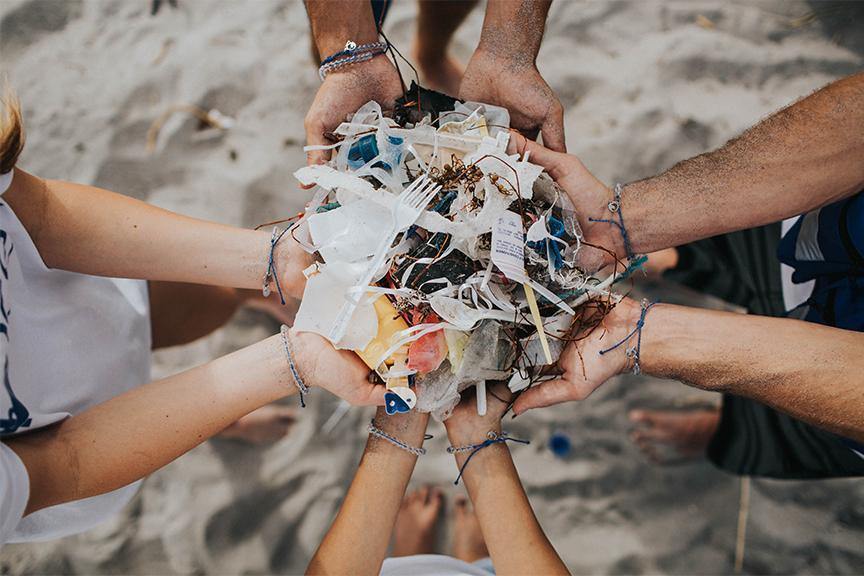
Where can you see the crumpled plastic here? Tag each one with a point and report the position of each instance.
(442, 273)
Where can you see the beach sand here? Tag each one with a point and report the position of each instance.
(644, 84)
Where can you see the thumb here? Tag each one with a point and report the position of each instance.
(315, 137)
(553, 162)
(553, 130)
(371, 395)
(545, 394)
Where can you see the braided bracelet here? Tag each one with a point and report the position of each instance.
(633, 351)
(377, 432)
(353, 54)
(614, 206)
(298, 381)
(492, 437)
(271, 275)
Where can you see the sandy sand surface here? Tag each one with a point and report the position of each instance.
(643, 84)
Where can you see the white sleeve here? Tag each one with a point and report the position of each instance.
(14, 492)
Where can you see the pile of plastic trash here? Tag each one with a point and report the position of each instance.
(444, 261)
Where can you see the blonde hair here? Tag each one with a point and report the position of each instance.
(11, 131)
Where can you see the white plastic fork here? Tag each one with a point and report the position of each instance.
(410, 204)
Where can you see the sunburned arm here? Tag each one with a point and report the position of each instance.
(94, 231)
(357, 541)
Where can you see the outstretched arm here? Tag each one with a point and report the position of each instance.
(809, 371)
(516, 542)
(93, 231)
(136, 433)
(335, 22)
(503, 70)
(357, 541)
(807, 155)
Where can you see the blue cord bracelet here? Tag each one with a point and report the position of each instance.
(615, 208)
(492, 437)
(271, 266)
(633, 351)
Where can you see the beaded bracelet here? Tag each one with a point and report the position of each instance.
(375, 431)
(298, 381)
(352, 54)
(492, 437)
(633, 351)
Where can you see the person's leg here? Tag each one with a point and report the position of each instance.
(437, 21)
(468, 543)
(416, 527)
(667, 436)
(182, 313)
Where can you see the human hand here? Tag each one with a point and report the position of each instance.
(602, 244)
(465, 426)
(343, 91)
(340, 372)
(516, 84)
(291, 260)
(583, 368)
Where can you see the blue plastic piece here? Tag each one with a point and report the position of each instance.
(560, 445)
(393, 404)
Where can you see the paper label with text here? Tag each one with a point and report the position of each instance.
(508, 246)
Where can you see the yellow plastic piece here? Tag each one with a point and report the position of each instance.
(538, 321)
(389, 323)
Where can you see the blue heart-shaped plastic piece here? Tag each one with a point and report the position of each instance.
(393, 404)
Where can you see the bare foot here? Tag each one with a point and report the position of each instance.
(684, 434)
(468, 542)
(441, 74)
(266, 424)
(416, 527)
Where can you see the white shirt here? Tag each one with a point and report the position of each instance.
(793, 294)
(434, 565)
(67, 342)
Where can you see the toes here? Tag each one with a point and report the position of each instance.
(423, 495)
(436, 499)
(637, 416)
(461, 505)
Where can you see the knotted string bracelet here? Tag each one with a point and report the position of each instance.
(492, 437)
(614, 206)
(271, 274)
(633, 351)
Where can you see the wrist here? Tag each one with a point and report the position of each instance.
(402, 433)
(335, 40)
(602, 226)
(291, 259)
(503, 57)
(619, 323)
